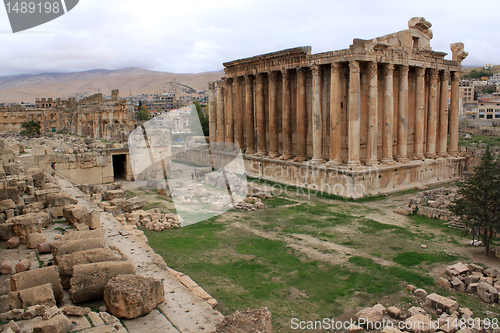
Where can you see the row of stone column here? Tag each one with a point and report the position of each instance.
(233, 127)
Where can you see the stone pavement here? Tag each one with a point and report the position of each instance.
(182, 311)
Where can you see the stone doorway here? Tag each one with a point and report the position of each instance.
(119, 167)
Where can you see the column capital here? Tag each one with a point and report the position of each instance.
(272, 75)
(445, 75)
(237, 80)
(455, 76)
(228, 80)
(259, 77)
(403, 70)
(211, 85)
(389, 69)
(302, 71)
(372, 67)
(285, 74)
(433, 74)
(248, 78)
(420, 71)
(354, 66)
(335, 66)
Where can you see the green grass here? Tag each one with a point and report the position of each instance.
(277, 202)
(409, 259)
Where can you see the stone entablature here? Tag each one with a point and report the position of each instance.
(382, 101)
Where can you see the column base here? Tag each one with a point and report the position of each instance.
(431, 156)
(453, 153)
(442, 154)
(300, 159)
(386, 160)
(371, 162)
(334, 163)
(274, 155)
(261, 154)
(249, 152)
(418, 157)
(403, 159)
(317, 161)
(286, 156)
(353, 163)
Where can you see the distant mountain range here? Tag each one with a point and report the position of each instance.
(130, 81)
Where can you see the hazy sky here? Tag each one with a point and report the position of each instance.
(191, 36)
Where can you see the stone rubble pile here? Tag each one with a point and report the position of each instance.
(472, 279)
(152, 220)
(432, 203)
(441, 314)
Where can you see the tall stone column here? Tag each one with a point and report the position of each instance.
(301, 115)
(261, 117)
(443, 116)
(371, 142)
(249, 123)
(419, 114)
(387, 139)
(335, 115)
(212, 113)
(454, 120)
(286, 116)
(354, 110)
(220, 113)
(273, 121)
(403, 114)
(316, 118)
(432, 115)
(229, 130)
(238, 114)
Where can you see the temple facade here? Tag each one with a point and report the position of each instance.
(374, 118)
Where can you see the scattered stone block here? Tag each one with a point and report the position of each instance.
(212, 302)
(39, 295)
(13, 242)
(369, 317)
(23, 265)
(391, 330)
(12, 326)
(89, 280)
(420, 293)
(71, 310)
(419, 323)
(251, 320)
(6, 267)
(59, 199)
(57, 324)
(487, 293)
(444, 283)
(14, 314)
(130, 296)
(458, 269)
(466, 313)
(473, 278)
(380, 308)
(411, 287)
(6, 205)
(415, 310)
(37, 277)
(491, 272)
(76, 235)
(107, 318)
(34, 239)
(61, 248)
(113, 194)
(95, 319)
(29, 223)
(471, 288)
(436, 301)
(394, 312)
(43, 248)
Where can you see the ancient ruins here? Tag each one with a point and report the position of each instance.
(362, 121)
(91, 116)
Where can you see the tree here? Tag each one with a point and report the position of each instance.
(480, 205)
(30, 128)
(203, 119)
(143, 113)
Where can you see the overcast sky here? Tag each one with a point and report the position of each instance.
(192, 36)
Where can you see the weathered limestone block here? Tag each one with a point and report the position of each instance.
(457, 269)
(471, 288)
(113, 194)
(436, 301)
(74, 235)
(43, 247)
(23, 265)
(34, 239)
(457, 284)
(491, 272)
(59, 199)
(51, 312)
(6, 205)
(251, 320)
(61, 248)
(39, 295)
(13, 242)
(33, 207)
(75, 214)
(29, 223)
(89, 280)
(6, 267)
(419, 323)
(57, 324)
(15, 301)
(444, 283)
(41, 177)
(7, 231)
(394, 312)
(37, 277)
(134, 204)
(12, 169)
(369, 317)
(41, 195)
(473, 278)
(487, 293)
(130, 296)
(71, 310)
(68, 261)
(420, 293)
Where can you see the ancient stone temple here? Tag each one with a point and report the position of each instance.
(374, 118)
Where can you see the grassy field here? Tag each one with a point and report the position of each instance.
(321, 258)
